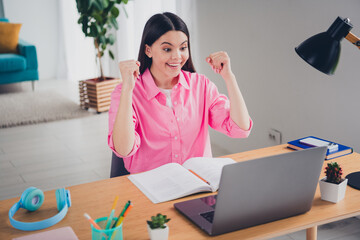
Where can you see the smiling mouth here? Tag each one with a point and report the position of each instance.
(174, 65)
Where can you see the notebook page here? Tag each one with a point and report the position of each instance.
(168, 182)
(208, 168)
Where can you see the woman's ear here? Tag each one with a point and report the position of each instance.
(148, 51)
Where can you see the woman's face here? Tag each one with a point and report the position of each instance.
(169, 54)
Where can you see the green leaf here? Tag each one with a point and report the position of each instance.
(123, 7)
(92, 32)
(97, 17)
(102, 39)
(111, 38)
(95, 4)
(98, 29)
(111, 55)
(85, 26)
(80, 19)
(110, 6)
(115, 12)
(114, 23)
(104, 3)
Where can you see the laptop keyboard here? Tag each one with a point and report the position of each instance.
(209, 216)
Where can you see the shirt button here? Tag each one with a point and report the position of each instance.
(176, 155)
(175, 102)
(175, 138)
(178, 119)
(175, 86)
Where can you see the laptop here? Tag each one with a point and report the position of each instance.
(258, 191)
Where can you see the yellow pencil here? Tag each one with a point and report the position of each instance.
(110, 218)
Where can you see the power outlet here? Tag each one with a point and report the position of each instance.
(275, 136)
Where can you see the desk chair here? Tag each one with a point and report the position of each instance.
(117, 167)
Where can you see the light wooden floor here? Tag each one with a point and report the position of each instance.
(64, 153)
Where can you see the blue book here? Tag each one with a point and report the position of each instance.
(334, 149)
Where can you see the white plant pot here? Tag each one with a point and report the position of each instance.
(159, 233)
(332, 192)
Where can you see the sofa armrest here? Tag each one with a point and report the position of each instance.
(29, 52)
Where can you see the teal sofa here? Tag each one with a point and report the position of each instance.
(19, 67)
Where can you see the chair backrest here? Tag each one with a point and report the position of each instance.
(117, 167)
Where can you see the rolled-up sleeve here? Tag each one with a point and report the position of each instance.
(219, 114)
(114, 105)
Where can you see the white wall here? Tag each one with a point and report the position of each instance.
(40, 25)
(281, 90)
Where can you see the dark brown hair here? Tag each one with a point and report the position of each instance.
(155, 27)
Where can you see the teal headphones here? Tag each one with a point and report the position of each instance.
(32, 199)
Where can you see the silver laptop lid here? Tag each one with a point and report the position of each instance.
(267, 189)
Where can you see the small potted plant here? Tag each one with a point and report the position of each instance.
(333, 186)
(157, 228)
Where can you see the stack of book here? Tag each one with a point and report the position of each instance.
(334, 149)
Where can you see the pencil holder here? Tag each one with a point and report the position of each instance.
(106, 234)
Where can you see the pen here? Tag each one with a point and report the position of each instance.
(122, 217)
(122, 213)
(109, 220)
(198, 176)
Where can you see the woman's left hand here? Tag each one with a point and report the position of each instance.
(220, 63)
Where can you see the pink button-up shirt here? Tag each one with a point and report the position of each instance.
(164, 135)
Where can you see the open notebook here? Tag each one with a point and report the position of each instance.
(172, 180)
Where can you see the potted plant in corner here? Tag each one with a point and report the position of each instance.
(333, 187)
(157, 228)
(97, 19)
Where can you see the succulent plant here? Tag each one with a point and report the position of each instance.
(333, 173)
(158, 221)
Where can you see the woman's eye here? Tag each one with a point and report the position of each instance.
(167, 49)
(183, 48)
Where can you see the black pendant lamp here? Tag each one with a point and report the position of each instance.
(322, 51)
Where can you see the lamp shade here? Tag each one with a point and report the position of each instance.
(322, 51)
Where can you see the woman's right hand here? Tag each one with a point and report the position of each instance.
(129, 70)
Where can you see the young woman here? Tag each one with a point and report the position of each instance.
(161, 111)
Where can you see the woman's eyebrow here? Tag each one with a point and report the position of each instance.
(166, 43)
(171, 44)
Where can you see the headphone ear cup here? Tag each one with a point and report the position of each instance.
(32, 199)
(60, 198)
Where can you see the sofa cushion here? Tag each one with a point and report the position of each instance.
(9, 37)
(12, 62)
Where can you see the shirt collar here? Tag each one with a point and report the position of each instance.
(150, 87)
(149, 84)
(183, 81)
